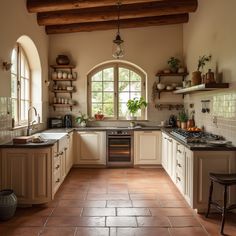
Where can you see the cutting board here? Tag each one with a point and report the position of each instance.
(22, 139)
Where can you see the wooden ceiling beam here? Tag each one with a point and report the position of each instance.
(128, 23)
(151, 9)
(35, 6)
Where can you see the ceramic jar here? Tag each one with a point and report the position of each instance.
(64, 75)
(54, 75)
(8, 203)
(70, 76)
(196, 78)
(209, 77)
(59, 74)
(62, 60)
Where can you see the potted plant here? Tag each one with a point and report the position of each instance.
(196, 75)
(134, 105)
(99, 115)
(183, 118)
(173, 63)
(82, 119)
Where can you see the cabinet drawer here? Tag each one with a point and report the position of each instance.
(180, 149)
(56, 178)
(180, 182)
(56, 162)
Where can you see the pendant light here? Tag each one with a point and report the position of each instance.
(118, 43)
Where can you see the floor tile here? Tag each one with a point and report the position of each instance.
(148, 196)
(20, 231)
(183, 221)
(58, 231)
(133, 212)
(110, 196)
(67, 211)
(193, 231)
(142, 232)
(156, 221)
(121, 222)
(119, 203)
(78, 203)
(84, 231)
(146, 203)
(76, 221)
(99, 211)
(171, 211)
(172, 203)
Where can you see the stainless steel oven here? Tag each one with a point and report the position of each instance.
(120, 148)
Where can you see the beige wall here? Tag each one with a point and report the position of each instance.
(15, 21)
(149, 48)
(211, 30)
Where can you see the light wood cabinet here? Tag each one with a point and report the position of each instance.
(190, 171)
(147, 147)
(69, 152)
(90, 147)
(28, 173)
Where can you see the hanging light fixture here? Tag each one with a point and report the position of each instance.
(118, 43)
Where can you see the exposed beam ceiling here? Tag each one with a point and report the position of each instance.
(63, 16)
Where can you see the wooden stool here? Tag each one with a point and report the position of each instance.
(226, 180)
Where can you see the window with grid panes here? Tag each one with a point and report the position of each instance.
(20, 85)
(110, 86)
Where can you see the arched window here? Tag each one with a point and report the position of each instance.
(20, 85)
(111, 85)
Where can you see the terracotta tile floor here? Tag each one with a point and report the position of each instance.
(115, 202)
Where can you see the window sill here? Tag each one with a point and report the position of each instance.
(108, 120)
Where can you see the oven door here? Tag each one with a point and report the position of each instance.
(119, 150)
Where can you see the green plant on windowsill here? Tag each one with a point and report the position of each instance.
(134, 105)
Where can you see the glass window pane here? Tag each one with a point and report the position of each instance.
(123, 97)
(22, 86)
(96, 107)
(123, 74)
(135, 95)
(27, 71)
(135, 86)
(22, 111)
(14, 61)
(108, 86)
(14, 109)
(108, 97)
(123, 110)
(108, 109)
(96, 97)
(22, 65)
(26, 111)
(108, 74)
(123, 86)
(97, 76)
(27, 92)
(134, 76)
(13, 86)
(96, 86)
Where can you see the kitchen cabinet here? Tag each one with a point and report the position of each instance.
(69, 152)
(28, 172)
(190, 171)
(90, 148)
(147, 147)
(167, 154)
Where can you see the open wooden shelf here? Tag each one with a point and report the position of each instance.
(202, 87)
(62, 66)
(63, 79)
(63, 91)
(56, 105)
(172, 74)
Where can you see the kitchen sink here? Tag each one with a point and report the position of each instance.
(56, 136)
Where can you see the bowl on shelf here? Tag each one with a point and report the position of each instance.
(169, 87)
(161, 86)
(70, 88)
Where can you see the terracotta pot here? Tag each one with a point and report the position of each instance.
(178, 123)
(62, 60)
(183, 125)
(196, 78)
(190, 123)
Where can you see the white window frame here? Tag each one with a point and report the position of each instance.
(20, 52)
(115, 66)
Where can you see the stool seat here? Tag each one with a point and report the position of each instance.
(225, 179)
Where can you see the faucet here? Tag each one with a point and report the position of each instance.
(29, 125)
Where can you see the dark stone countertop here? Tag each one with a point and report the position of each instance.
(47, 143)
(200, 146)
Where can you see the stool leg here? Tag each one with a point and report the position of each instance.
(209, 199)
(224, 210)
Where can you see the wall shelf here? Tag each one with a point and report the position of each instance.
(159, 75)
(55, 105)
(202, 87)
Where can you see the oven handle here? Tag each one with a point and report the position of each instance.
(119, 136)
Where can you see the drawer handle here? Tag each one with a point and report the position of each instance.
(178, 178)
(68, 136)
(57, 167)
(179, 165)
(170, 140)
(179, 151)
(58, 180)
(61, 153)
(65, 148)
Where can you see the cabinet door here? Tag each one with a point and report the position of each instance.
(91, 148)
(170, 156)
(69, 152)
(41, 175)
(147, 147)
(164, 151)
(15, 172)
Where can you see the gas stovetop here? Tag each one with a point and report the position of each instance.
(194, 137)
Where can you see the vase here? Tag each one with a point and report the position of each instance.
(196, 78)
(83, 124)
(8, 203)
(62, 60)
(178, 123)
